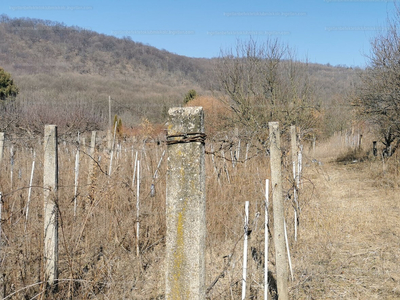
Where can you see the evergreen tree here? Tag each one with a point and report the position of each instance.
(7, 86)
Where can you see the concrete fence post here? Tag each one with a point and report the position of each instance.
(50, 185)
(278, 211)
(185, 206)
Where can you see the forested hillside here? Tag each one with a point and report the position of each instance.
(75, 70)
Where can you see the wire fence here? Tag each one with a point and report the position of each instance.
(98, 241)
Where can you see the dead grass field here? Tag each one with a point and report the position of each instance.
(348, 234)
(349, 244)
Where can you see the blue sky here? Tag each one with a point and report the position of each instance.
(325, 31)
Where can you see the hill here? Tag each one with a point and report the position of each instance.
(73, 69)
(67, 73)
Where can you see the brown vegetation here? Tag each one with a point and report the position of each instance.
(218, 116)
(346, 245)
(97, 248)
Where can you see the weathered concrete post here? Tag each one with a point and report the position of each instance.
(1, 146)
(185, 207)
(278, 210)
(50, 185)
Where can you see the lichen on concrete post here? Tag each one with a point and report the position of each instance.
(185, 205)
(50, 186)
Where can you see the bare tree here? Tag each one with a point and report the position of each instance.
(378, 99)
(263, 82)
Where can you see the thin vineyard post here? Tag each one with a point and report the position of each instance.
(245, 242)
(112, 150)
(247, 153)
(76, 175)
(313, 144)
(1, 146)
(1, 208)
(300, 166)
(288, 252)
(266, 238)
(215, 166)
(213, 160)
(137, 208)
(225, 167)
(293, 140)
(232, 158)
(295, 201)
(29, 193)
(12, 165)
(109, 112)
(158, 166)
(134, 171)
(91, 159)
(50, 186)
(238, 151)
(278, 209)
(2, 283)
(185, 207)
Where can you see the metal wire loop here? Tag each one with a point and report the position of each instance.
(186, 138)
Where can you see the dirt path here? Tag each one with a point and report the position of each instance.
(350, 245)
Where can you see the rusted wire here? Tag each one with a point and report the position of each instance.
(186, 138)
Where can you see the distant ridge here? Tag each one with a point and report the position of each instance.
(57, 64)
(34, 45)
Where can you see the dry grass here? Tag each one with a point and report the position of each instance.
(98, 246)
(348, 236)
(348, 247)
